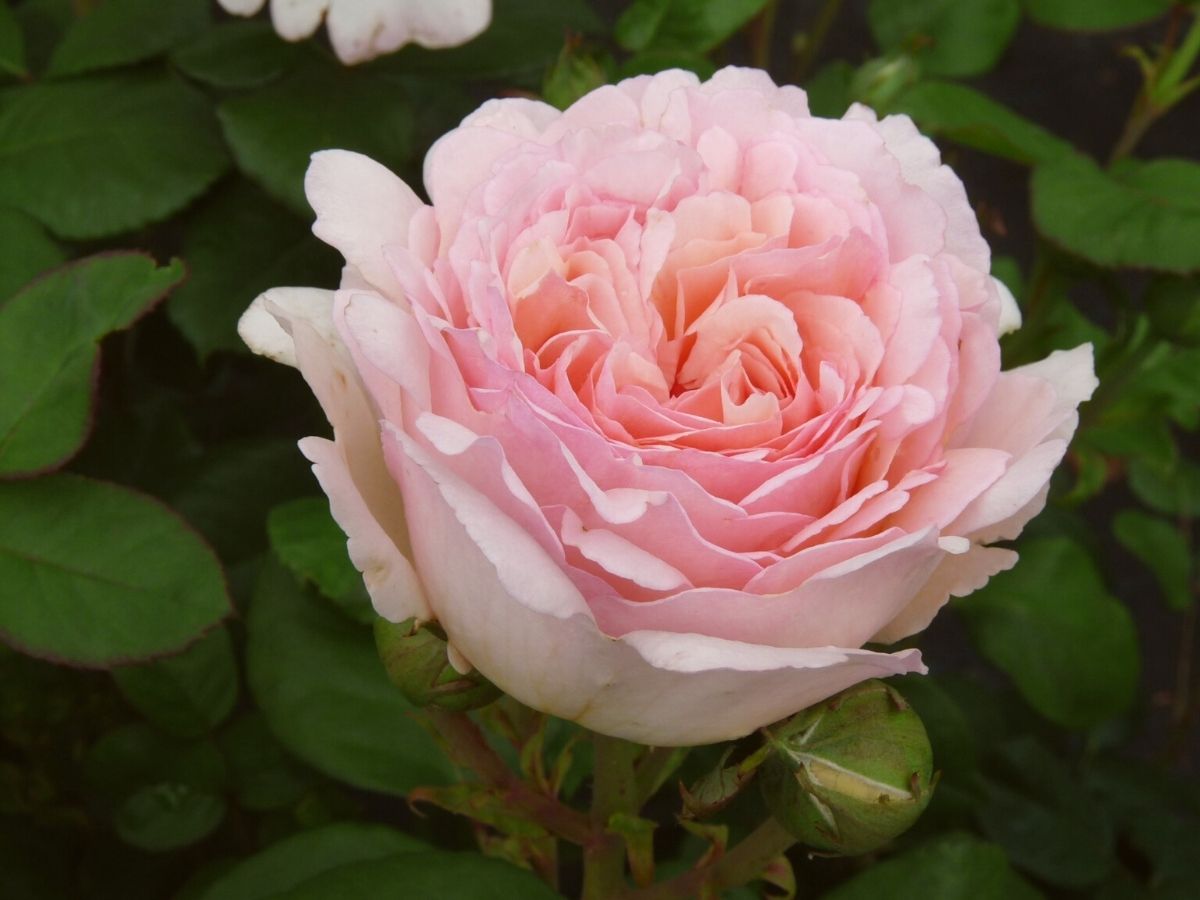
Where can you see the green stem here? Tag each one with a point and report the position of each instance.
(654, 768)
(614, 790)
(816, 39)
(468, 748)
(1180, 62)
(745, 862)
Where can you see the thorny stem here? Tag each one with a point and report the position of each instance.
(746, 861)
(614, 790)
(468, 748)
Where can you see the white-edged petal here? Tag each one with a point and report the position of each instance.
(514, 614)
(361, 207)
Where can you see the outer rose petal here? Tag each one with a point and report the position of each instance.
(296, 325)
(361, 208)
(510, 610)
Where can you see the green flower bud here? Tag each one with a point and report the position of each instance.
(416, 660)
(849, 775)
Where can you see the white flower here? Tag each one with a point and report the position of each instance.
(363, 29)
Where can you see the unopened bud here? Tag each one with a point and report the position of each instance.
(417, 661)
(849, 775)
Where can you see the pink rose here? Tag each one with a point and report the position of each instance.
(672, 401)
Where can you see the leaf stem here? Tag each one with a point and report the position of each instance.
(745, 862)
(468, 748)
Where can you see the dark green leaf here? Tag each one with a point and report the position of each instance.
(188, 694)
(153, 138)
(120, 32)
(1161, 547)
(48, 352)
(262, 774)
(1173, 305)
(696, 25)
(127, 759)
(968, 117)
(226, 495)
(303, 856)
(949, 37)
(1069, 646)
(524, 38)
(1094, 15)
(12, 44)
(228, 271)
(953, 867)
(166, 816)
(1044, 818)
(43, 23)
(1142, 214)
(26, 252)
(274, 131)
(829, 89)
(237, 55)
(446, 876)
(1171, 487)
(326, 696)
(309, 542)
(95, 575)
(954, 741)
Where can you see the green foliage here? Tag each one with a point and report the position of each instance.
(119, 32)
(973, 119)
(12, 44)
(275, 130)
(27, 251)
(355, 727)
(237, 55)
(453, 876)
(49, 354)
(97, 575)
(524, 38)
(954, 867)
(154, 138)
(1094, 15)
(308, 541)
(304, 857)
(1143, 215)
(1037, 809)
(228, 272)
(188, 694)
(949, 37)
(1162, 547)
(1068, 644)
(697, 25)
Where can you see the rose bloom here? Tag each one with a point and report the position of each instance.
(670, 402)
(360, 30)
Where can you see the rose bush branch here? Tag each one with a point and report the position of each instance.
(1164, 84)
(467, 746)
(742, 864)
